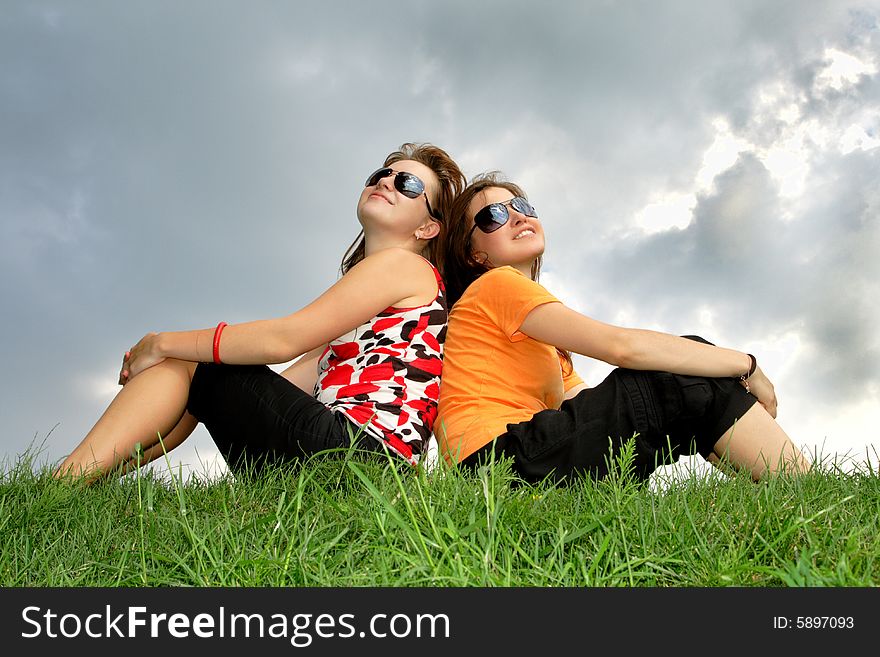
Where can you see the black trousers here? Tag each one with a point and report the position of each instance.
(670, 415)
(256, 416)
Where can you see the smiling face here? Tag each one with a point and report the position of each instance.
(382, 206)
(517, 243)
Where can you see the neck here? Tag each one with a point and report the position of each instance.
(374, 243)
(525, 268)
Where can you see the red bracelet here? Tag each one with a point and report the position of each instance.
(217, 332)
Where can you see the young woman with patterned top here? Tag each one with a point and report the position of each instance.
(509, 386)
(368, 350)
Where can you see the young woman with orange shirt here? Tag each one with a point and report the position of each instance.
(509, 386)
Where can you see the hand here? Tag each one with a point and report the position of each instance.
(142, 356)
(123, 372)
(761, 387)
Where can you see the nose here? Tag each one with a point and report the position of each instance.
(516, 217)
(387, 182)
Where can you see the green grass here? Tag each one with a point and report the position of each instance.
(355, 522)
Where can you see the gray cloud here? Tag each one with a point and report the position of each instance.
(761, 273)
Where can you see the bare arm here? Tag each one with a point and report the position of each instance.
(572, 392)
(378, 281)
(304, 372)
(639, 349)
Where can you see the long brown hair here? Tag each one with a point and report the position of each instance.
(452, 181)
(457, 262)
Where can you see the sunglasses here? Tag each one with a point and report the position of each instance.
(406, 183)
(495, 215)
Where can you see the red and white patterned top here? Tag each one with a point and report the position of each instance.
(385, 374)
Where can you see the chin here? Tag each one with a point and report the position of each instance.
(370, 213)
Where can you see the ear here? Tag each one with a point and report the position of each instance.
(480, 256)
(428, 230)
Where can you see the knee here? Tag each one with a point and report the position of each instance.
(182, 367)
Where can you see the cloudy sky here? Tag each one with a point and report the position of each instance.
(701, 167)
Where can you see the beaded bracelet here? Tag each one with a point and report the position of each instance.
(745, 377)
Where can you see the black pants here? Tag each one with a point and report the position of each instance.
(256, 416)
(669, 414)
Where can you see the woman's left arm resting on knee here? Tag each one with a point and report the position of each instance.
(640, 349)
(368, 288)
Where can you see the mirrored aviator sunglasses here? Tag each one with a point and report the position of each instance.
(407, 184)
(495, 215)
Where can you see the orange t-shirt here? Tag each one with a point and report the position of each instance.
(493, 374)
